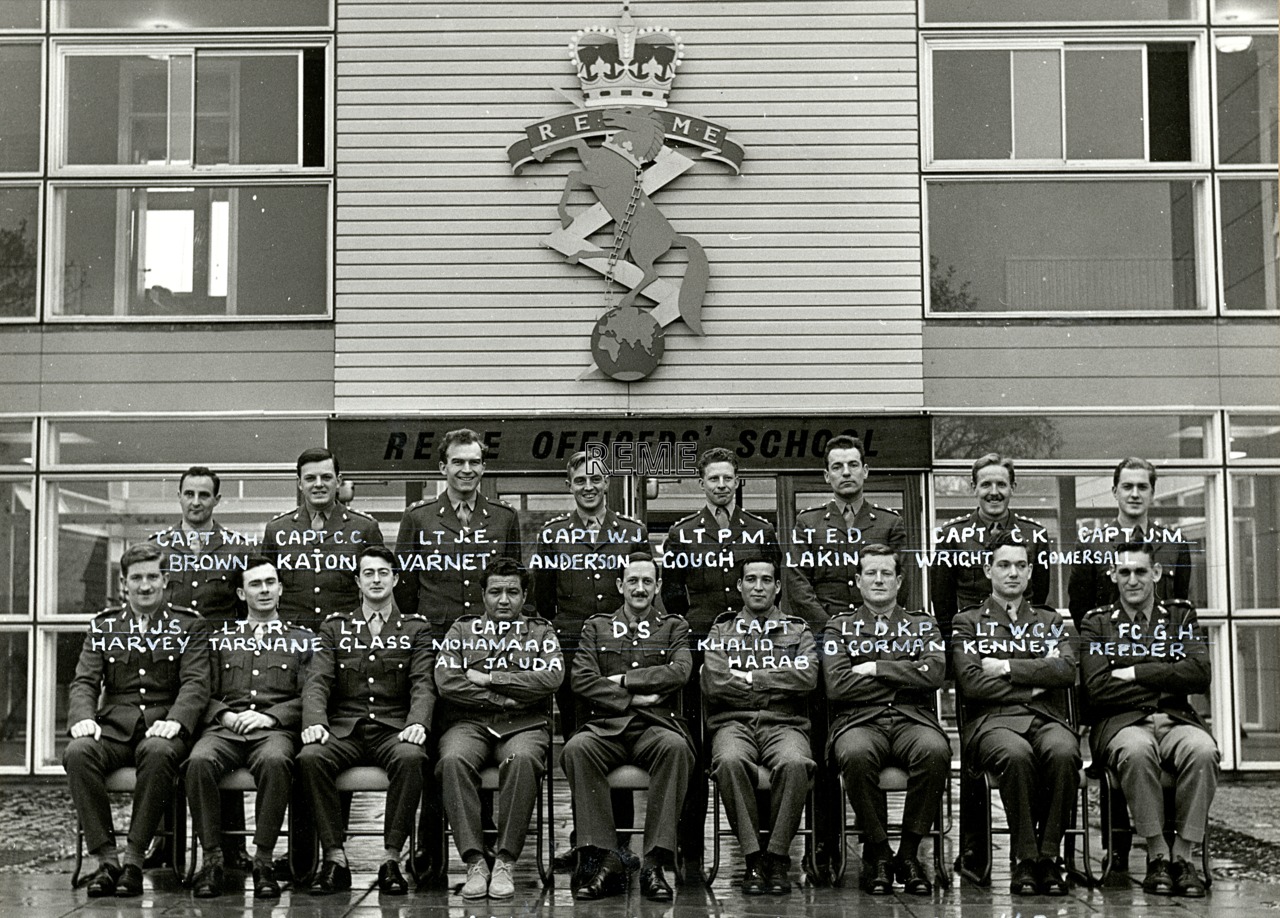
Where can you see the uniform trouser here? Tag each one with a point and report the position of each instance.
(827, 828)
(368, 744)
(1139, 754)
(465, 749)
(89, 761)
(268, 754)
(693, 819)
(862, 751)
(1039, 774)
(624, 804)
(736, 750)
(588, 759)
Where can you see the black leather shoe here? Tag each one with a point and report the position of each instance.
(877, 877)
(391, 881)
(609, 879)
(130, 882)
(102, 882)
(1024, 881)
(777, 874)
(753, 882)
(912, 875)
(563, 863)
(331, 879)
(282, 869)
(1049, 878)
(422, 865)
(1187, 880)
(208, 882)
(265, 885)
(1159, 878)
(654, 885)
(236, 859)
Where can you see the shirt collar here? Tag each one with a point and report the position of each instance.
(729, 508)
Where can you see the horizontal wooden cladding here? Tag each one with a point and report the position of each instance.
(361, 10)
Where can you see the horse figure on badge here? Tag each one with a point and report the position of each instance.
(614, 171)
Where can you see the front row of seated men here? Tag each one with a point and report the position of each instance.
(152, 680)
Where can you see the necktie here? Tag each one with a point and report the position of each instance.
(848, 516)
(144, 622)
(317, 521)
(375, 625)
(1013, 613)
(464, 514)
(722, 517)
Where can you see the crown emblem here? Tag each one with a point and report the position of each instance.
(625, 64)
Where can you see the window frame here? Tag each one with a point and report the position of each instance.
(29, 479)
(1220, 245)
(1198, 19)
(29, 702)
(41, 221)
(28, 37)
(57, 12)
(1215, 129)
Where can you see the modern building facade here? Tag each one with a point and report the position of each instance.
(230, 230)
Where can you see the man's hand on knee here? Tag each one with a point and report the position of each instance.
(165, 729)
(87, 727)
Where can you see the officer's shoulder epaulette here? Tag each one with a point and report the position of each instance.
(685, 519)
(725, 617)
(669, 615)
(183, 611)
(110, 611)
(629, 519)
(356, 512)
(1177, 603)
(469, 617)
(795, 619)
(919, 613)
(1043, 607)
(557, 519)
(602, 615)
(970, 608)
(956, 519)
(1102, 610)
(301, 629)
(159, 532)
(755, 516)
(419, 504)
(885, 509)
(1027, 519)
(502, 503)
(332, 615)
(280, 516)
(535, 618)
(815, 508)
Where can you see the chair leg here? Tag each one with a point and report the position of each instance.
(939, 833)
(1108, 833)
(715, 833)
(75, 872)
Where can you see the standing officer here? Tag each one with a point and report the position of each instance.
(140, 686)
(759, 669)
(883, 666)
(252, 720)
(495, 675)
(1142, 658)
(314, 546)
(1010, 656)
(374, 649)
(629, 670)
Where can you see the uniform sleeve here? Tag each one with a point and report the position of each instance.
(799, 679)
(802, 599)
(587, 679)
(320, 677)
(529, 686)
(452, 684)
(422, 687)
(842, 684)
(925, 672)
(720, 688)
(194, 677)
(974, 682)
(1095, 664)
(1046, 671)
(1187, 673)
(665, 678)
(288, 713)
(86, 684)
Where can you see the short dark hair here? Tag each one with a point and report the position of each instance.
(880, 550)
(1134, 462)
(992, 459)
(716, 454)
(844, 441)
(461, 437)
(1006, 539)
(200, 471)
(377, 551)
(505, 567)
(137, 553)
(637, 556)
(760, 557)
(250, 563)
(317, 454)
(1134, 546)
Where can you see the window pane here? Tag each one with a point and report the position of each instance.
(1104, 104)
(247, 109)
(971, 110)
(1057, 11)
(182, 441)
(20, 14)
(97, 520)
(15, 663)
(1244, 11)
(19, 228)
(1247, 99)
(1257, 541)
(15, 536)
(189, 14)
(119, 110)
(1062, 245)
(16, 443)
(257, 250)
(1255, 436)
(62, 650)
(1037, 104)
(20, 108)
(1250, 210)
(1258, 662)
(1156, 437)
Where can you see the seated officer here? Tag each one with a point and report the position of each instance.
(629, 670)
(368, 700)
(252, 720)
(1009, 656)
(759, 669)
(140, 687)
(1141, 659)
(495, 675)
(882, 667)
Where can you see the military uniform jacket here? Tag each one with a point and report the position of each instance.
(652, 652)
(1006, 701)
(524, 659)
(1091, 587)
(575, 570)
(699, 563)
(204, 581)
(385, 680)
(264, 675)
(956, 578)
(1170, 662)
(318, 567)
(779, 652)
(821, 561)
(441, 564)
(125, 675)
(910, 658)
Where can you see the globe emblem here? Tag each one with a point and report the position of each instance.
(627, 343)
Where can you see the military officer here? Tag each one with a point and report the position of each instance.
(759, 670)
(1141, 658)
(629, 669)
(495, 674)
(1011, 658)
(252, 720)
(368, 699)
(882, 667)
(314, 546)
(139, 689)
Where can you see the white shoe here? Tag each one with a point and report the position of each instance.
(477, 885)
(501, 885)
